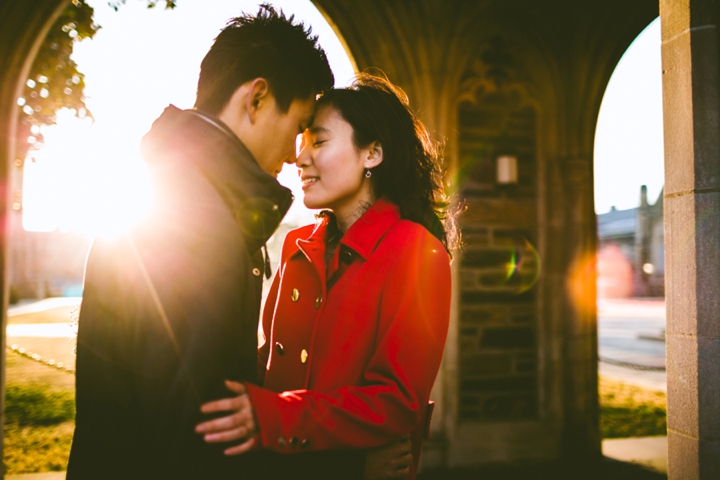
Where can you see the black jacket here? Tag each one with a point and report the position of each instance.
(171, 309)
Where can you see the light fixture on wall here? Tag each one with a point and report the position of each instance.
(507, 170)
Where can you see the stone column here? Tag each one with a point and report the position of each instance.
(692, 234)
(23, 26)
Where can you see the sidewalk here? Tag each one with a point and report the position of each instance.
(650, 452)
(605, 469)
(37, 476)
(626, 459)
(632, 331)
(34, 306)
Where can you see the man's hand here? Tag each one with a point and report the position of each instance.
(391, 461)
(239, 425)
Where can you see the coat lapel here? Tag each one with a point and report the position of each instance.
(314, 250)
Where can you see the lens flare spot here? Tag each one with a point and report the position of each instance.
(258, 217)
(513, 267)
(582, 283)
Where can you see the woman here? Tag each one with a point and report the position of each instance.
(357, 315)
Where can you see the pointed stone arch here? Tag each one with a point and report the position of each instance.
(448, 57)
(424, 46)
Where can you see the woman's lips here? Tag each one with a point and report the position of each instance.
(308, 181)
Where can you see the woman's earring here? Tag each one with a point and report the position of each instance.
(368, 173)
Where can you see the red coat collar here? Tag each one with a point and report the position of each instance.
(362, 237)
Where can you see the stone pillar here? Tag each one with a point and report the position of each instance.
(692, 234)
(23, 26)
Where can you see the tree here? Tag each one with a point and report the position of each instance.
(55, 82)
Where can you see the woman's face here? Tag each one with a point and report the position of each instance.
(332, 168)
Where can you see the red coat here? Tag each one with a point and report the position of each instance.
(355, 352)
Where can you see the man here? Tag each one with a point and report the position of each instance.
(170, 310)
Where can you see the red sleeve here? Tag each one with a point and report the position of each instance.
(414, 317)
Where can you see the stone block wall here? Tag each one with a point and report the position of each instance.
(499, 265)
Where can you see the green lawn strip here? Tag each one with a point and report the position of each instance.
(631, 411)
(39, 424)
(39, 407)
(37, 448)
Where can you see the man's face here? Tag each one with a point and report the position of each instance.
(278, 131)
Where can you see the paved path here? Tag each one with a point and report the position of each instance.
(34, 306)
(37, 476)
(632, 331)
(41, 330)
(650, 452)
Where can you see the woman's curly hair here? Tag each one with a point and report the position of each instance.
(410, 174)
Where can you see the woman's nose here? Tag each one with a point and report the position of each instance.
(303, 158)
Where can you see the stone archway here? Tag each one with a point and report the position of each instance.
(23, 27)
(564, 52)
(441, 55)
(528, 77)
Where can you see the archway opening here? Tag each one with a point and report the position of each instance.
(81, 183)
(629, 176)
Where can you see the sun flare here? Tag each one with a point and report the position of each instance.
(84, 179)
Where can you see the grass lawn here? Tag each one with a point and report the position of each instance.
(630, 411)
(39, 400)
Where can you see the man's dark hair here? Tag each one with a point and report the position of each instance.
(266, 45)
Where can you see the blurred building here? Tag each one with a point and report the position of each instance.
(41, 264)
(631, 250)
(45, 264)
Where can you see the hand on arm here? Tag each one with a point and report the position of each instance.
(391, 461)
(238, 425)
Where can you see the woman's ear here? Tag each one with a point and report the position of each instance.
(374, 156)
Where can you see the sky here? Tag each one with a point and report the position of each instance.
(628, 137)
(142, 60)
(138, 63)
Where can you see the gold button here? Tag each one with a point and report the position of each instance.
(318, 301)
(282, 441)
(256, 272)
(303, 356)
(294, 441)
(295, 295)
(305, 443)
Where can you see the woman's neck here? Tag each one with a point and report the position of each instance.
(346, 217)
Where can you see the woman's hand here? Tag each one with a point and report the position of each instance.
(391, 461)
(239, 425)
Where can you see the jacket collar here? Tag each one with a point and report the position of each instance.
(189, 137)
(363, 236)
